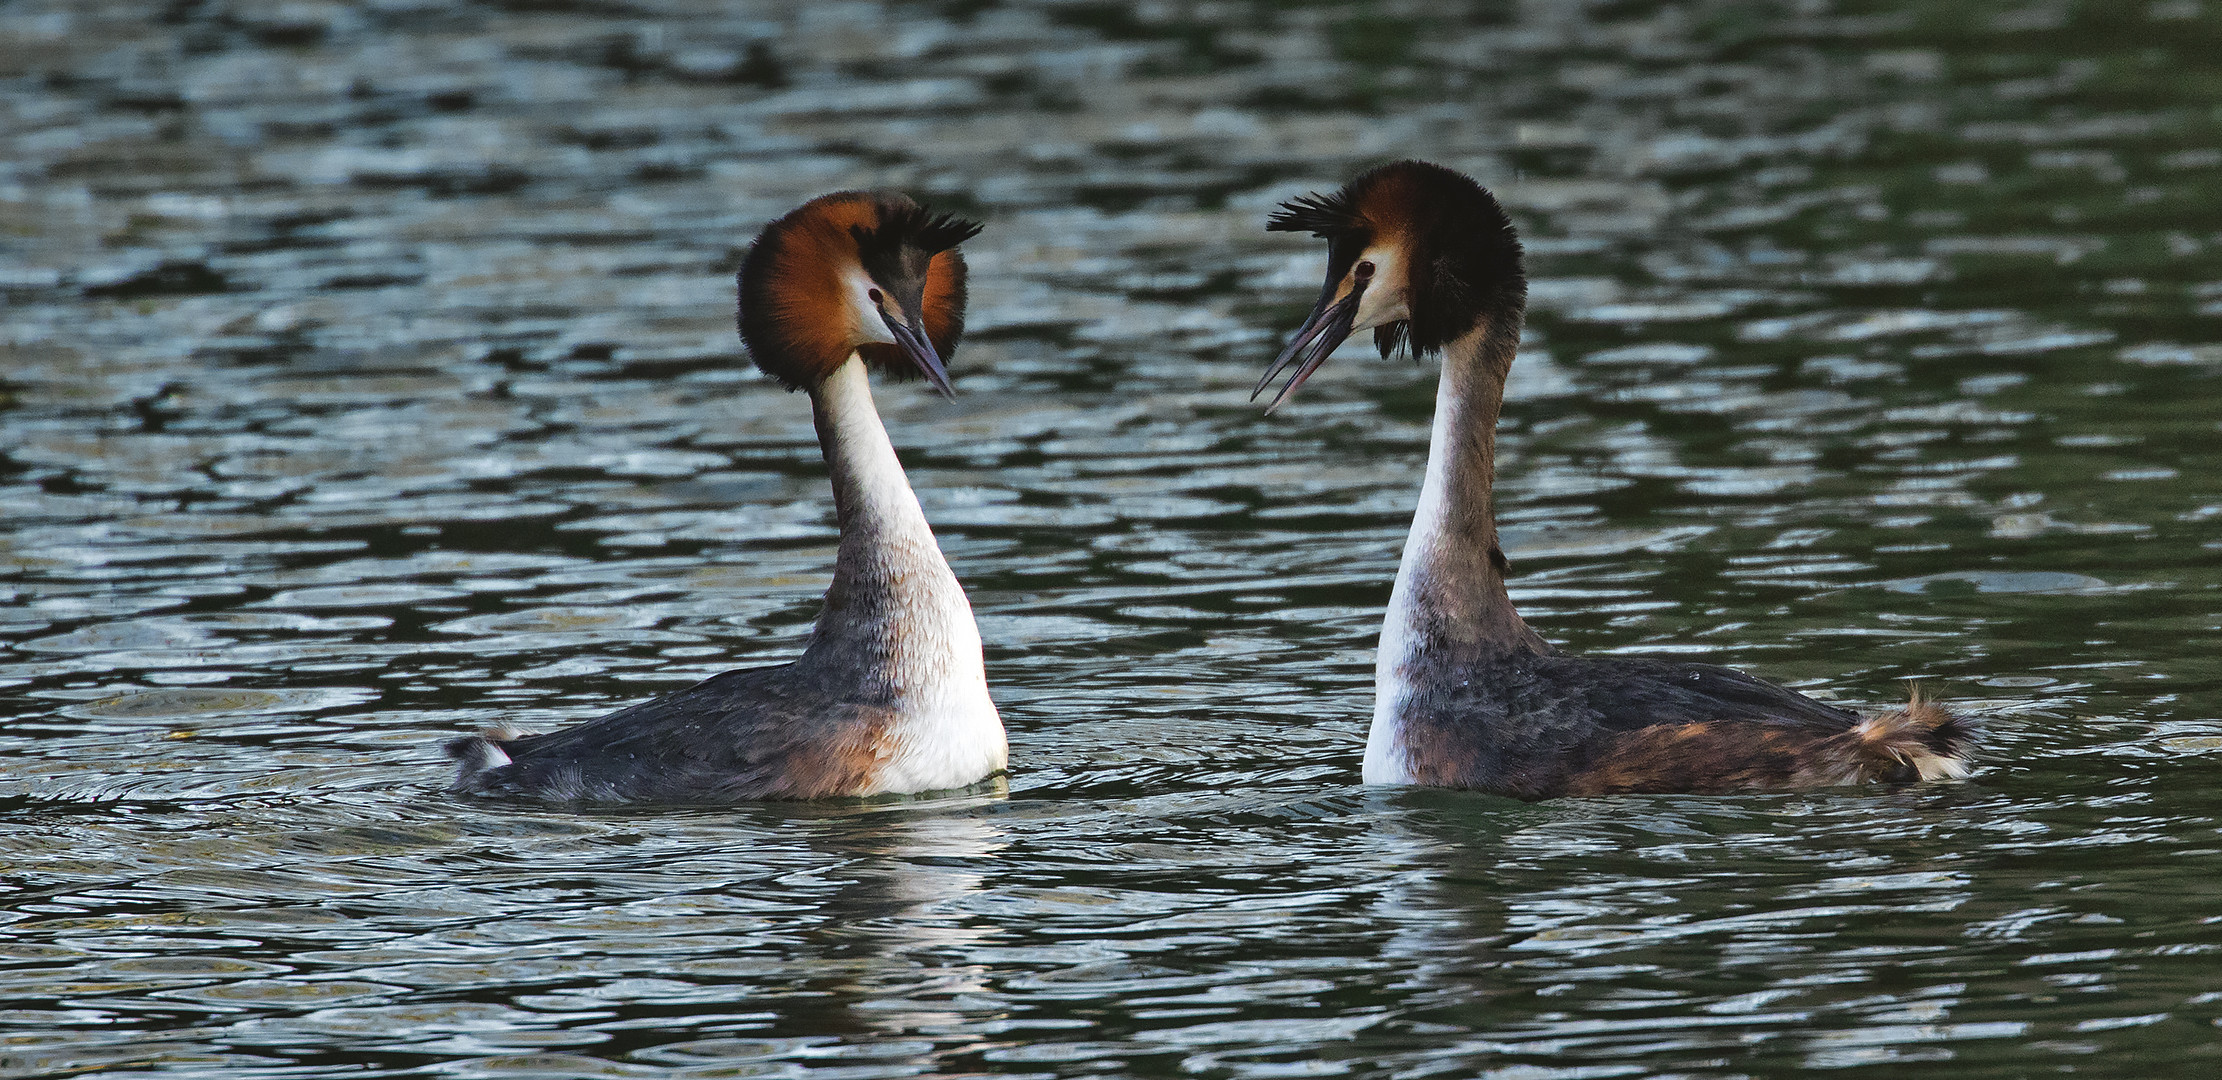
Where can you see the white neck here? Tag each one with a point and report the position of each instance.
(896, 628)
(1449, 603)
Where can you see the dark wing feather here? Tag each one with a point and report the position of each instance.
(1522, 723)
(1627, 693)
(750, 734)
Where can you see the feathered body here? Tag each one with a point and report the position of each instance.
(1466, 694)
(890, 695)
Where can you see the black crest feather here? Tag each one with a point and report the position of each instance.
(1323, 216)
(897, 250)
(904, 223)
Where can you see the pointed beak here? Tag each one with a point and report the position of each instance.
(1328, 327)
(920, 349)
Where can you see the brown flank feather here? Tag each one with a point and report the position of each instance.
(1922, 741)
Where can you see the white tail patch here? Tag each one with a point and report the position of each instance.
(478, 753)
(1910, 736)
(1939, 767)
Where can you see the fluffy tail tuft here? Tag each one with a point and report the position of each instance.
(1924, 739)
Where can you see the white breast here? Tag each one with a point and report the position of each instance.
(951, 741)
(1386, 762)
(949, 734)
(946, 733)
(1395, 662)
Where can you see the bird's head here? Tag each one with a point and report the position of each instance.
(1416, 253)
(866, 273)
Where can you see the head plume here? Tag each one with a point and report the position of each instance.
(1323, 216)
(1462, 256)
(809, 285)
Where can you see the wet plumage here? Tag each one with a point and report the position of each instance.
(890, 695)
(1535, 725)
(1466, 694)
(758, 733)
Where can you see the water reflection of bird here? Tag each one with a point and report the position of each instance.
(1466, 695)
(890, 694)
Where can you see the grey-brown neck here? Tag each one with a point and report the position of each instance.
(1449, 609)
(894, 616)
(1450, 587)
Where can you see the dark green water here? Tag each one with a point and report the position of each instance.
(368, 377)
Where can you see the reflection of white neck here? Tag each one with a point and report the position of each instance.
(1449, 601)
(896, 628)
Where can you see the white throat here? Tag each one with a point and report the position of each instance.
(1394, 660)
(896, 622)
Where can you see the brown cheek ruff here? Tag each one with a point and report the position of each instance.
(791, 311)
(944, 302)
(888, 360)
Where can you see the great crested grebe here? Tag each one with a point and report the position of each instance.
(890, 695)
(1465, 694)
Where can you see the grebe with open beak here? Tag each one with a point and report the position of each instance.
(1465, 694)
(890, 695)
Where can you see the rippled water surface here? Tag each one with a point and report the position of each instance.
(368, 377)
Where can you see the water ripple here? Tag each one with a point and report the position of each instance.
(369, 379)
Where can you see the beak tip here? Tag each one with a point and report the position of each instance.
(914, 343)
(1322, 333)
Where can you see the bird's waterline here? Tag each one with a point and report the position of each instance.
(370, 378)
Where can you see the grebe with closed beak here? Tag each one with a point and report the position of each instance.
(889, 695)
(1465, 694)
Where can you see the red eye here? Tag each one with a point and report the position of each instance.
(1363, 272)
(875, 295)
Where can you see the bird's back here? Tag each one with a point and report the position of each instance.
(1539, 725)
(758, 733)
